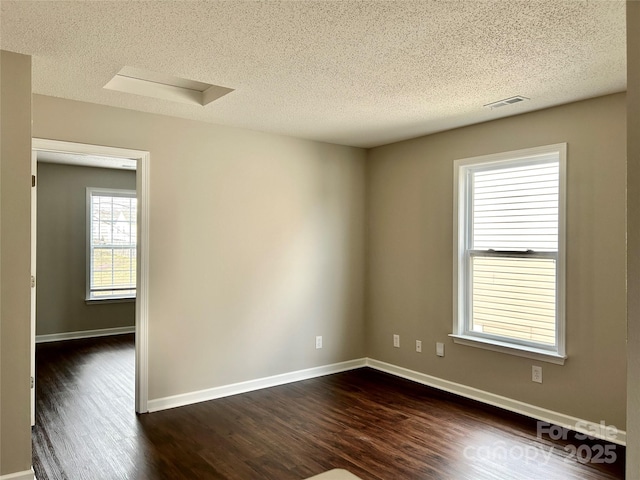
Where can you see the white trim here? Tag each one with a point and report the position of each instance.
(462, 242)
(173, 401)
(103, 332)
(562, 253)
(142, 281)
(506, 157)
(593, 429)
(34, 276)
(143, 181)
(24, 475)
(519, 351)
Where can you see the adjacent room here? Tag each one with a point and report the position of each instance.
(333, 240)
(85, 217)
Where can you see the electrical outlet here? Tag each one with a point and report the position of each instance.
(536, 374)
(396, 341)
(440, 349)
(418, 346)
(319, 341)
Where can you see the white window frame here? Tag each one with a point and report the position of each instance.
(112, 193)
(462, 333)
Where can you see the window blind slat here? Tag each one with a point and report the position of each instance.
(530, 191)
(515, 289)
(514, 305)
(522, 208)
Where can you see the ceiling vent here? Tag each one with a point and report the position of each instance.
(506, 101)
(166, 87)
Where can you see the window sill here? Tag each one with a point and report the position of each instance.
(520, 351)
(102, 301)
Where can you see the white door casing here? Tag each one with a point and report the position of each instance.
(142, 275)
(34, 204)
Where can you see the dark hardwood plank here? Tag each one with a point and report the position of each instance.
(375, 425)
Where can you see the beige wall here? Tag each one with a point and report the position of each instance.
(61, 260)
(256, 244)
(633, 238)
(15, 260)
(410, 258)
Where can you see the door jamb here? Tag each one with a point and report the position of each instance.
(34, 226)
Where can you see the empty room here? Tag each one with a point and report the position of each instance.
(356, 240)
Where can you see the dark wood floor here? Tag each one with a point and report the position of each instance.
(377, 426)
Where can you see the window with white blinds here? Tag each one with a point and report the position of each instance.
(111, 246)
(510, 239)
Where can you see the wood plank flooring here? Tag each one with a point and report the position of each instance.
(377, 426)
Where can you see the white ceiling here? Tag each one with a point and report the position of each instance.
(362, 73)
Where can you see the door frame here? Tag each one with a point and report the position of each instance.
(142, 274)
(34, 236)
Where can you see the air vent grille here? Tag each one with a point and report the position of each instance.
(506, 101)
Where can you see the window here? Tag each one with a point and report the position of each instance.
(111, 252)
(509, 266)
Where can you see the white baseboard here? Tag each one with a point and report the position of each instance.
(251, 385)
(26, 475)
(56, 337)
(597, 430)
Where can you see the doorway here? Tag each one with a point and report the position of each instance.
(106, 155)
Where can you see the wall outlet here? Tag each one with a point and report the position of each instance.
(319, 341)
(396, 341)
(536, 374)
(440, 349)
(418, 346)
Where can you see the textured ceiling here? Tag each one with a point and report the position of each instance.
(82, 160)
(353, 72)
